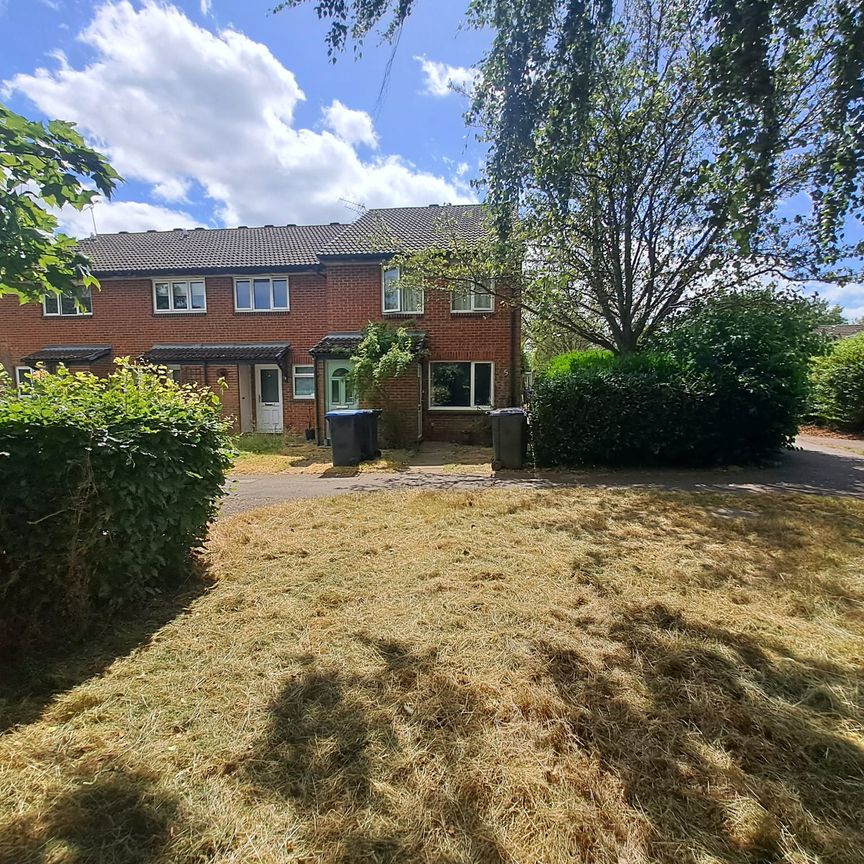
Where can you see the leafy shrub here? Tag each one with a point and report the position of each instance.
(107, 486)
(838, 385)
(385, 354)
(727, 382)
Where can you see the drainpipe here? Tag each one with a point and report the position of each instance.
(515, 360)
(318, 437)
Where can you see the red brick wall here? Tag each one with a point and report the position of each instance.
(345, 299)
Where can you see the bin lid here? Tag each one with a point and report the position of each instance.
(351, 412)
(505, 412)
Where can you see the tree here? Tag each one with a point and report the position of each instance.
(44, 167)
(608, 139)
(764, 60)
(827, 314)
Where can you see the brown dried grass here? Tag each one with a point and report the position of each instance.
(508, 676)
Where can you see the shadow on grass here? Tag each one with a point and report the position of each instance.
(117, 818)
(30, 681)
(732, 754)
(333, 738)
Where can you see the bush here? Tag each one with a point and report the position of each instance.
(107, 486)
(726, 383)
(838, 385)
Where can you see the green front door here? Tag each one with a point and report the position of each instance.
(340, 393)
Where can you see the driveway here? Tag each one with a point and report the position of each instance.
(819, 466)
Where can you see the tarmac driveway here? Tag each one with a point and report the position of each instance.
(819, 466)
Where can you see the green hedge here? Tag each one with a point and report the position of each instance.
(107, 486)
(838, 385)
(726, 383)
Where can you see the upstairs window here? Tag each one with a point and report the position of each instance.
(186, 295)
(460, 385)
(66, 307)
(261, 295)
(474, 297)
(399, 298)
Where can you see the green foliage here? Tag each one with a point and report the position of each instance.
(41, 167)
(780, 83)
(828, 313)
(385, 352)
(838, 385)
(727, 382)
(107, 486)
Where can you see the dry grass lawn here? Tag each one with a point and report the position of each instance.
(535, 677)
(277, 454)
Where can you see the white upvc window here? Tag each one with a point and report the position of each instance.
(303, 382)
(179, 295)
(22, 376)
(473, 297)
(65, 306)
(261, 294)
(398, 298)
(466, 385)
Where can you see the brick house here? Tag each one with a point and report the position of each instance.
(276, 312)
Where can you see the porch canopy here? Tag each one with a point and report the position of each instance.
(345, 344)
(258, 352)
(67, 354)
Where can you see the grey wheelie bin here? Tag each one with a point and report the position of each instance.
(353, 435)
(509, 437)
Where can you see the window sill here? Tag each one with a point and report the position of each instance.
(302, 398)
(474, 411)
(402, 314)
(67, 317)
(474, 313)
(173, 313)
(261, 311)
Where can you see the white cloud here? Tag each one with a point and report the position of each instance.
(353, 127)
(174, 189)
(849, 296)
(206, 5)
(173, 103)
(443, 79)
(111, 216)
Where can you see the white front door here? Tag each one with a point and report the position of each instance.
(268, 387)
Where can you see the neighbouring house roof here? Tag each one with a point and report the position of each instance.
(67, 354)
(201, 353)
(380, 233)
(841, 331)
(202, 251)
(344, 344)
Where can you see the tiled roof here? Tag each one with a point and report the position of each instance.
(258, 352)
(199, 251)
(841, 331)
(67, 354)
(344, 344)
(378, 233)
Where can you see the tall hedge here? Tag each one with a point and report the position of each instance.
(726, 383)
(107, 486)
(838, 385)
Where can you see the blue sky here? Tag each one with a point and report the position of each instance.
(218, 113)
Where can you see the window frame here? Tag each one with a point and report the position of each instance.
(473, 408)
(401, 310)
(86, 292)
(170, 282)
(261, 277)
(18, 382)
(472, 296)
(305, 376)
